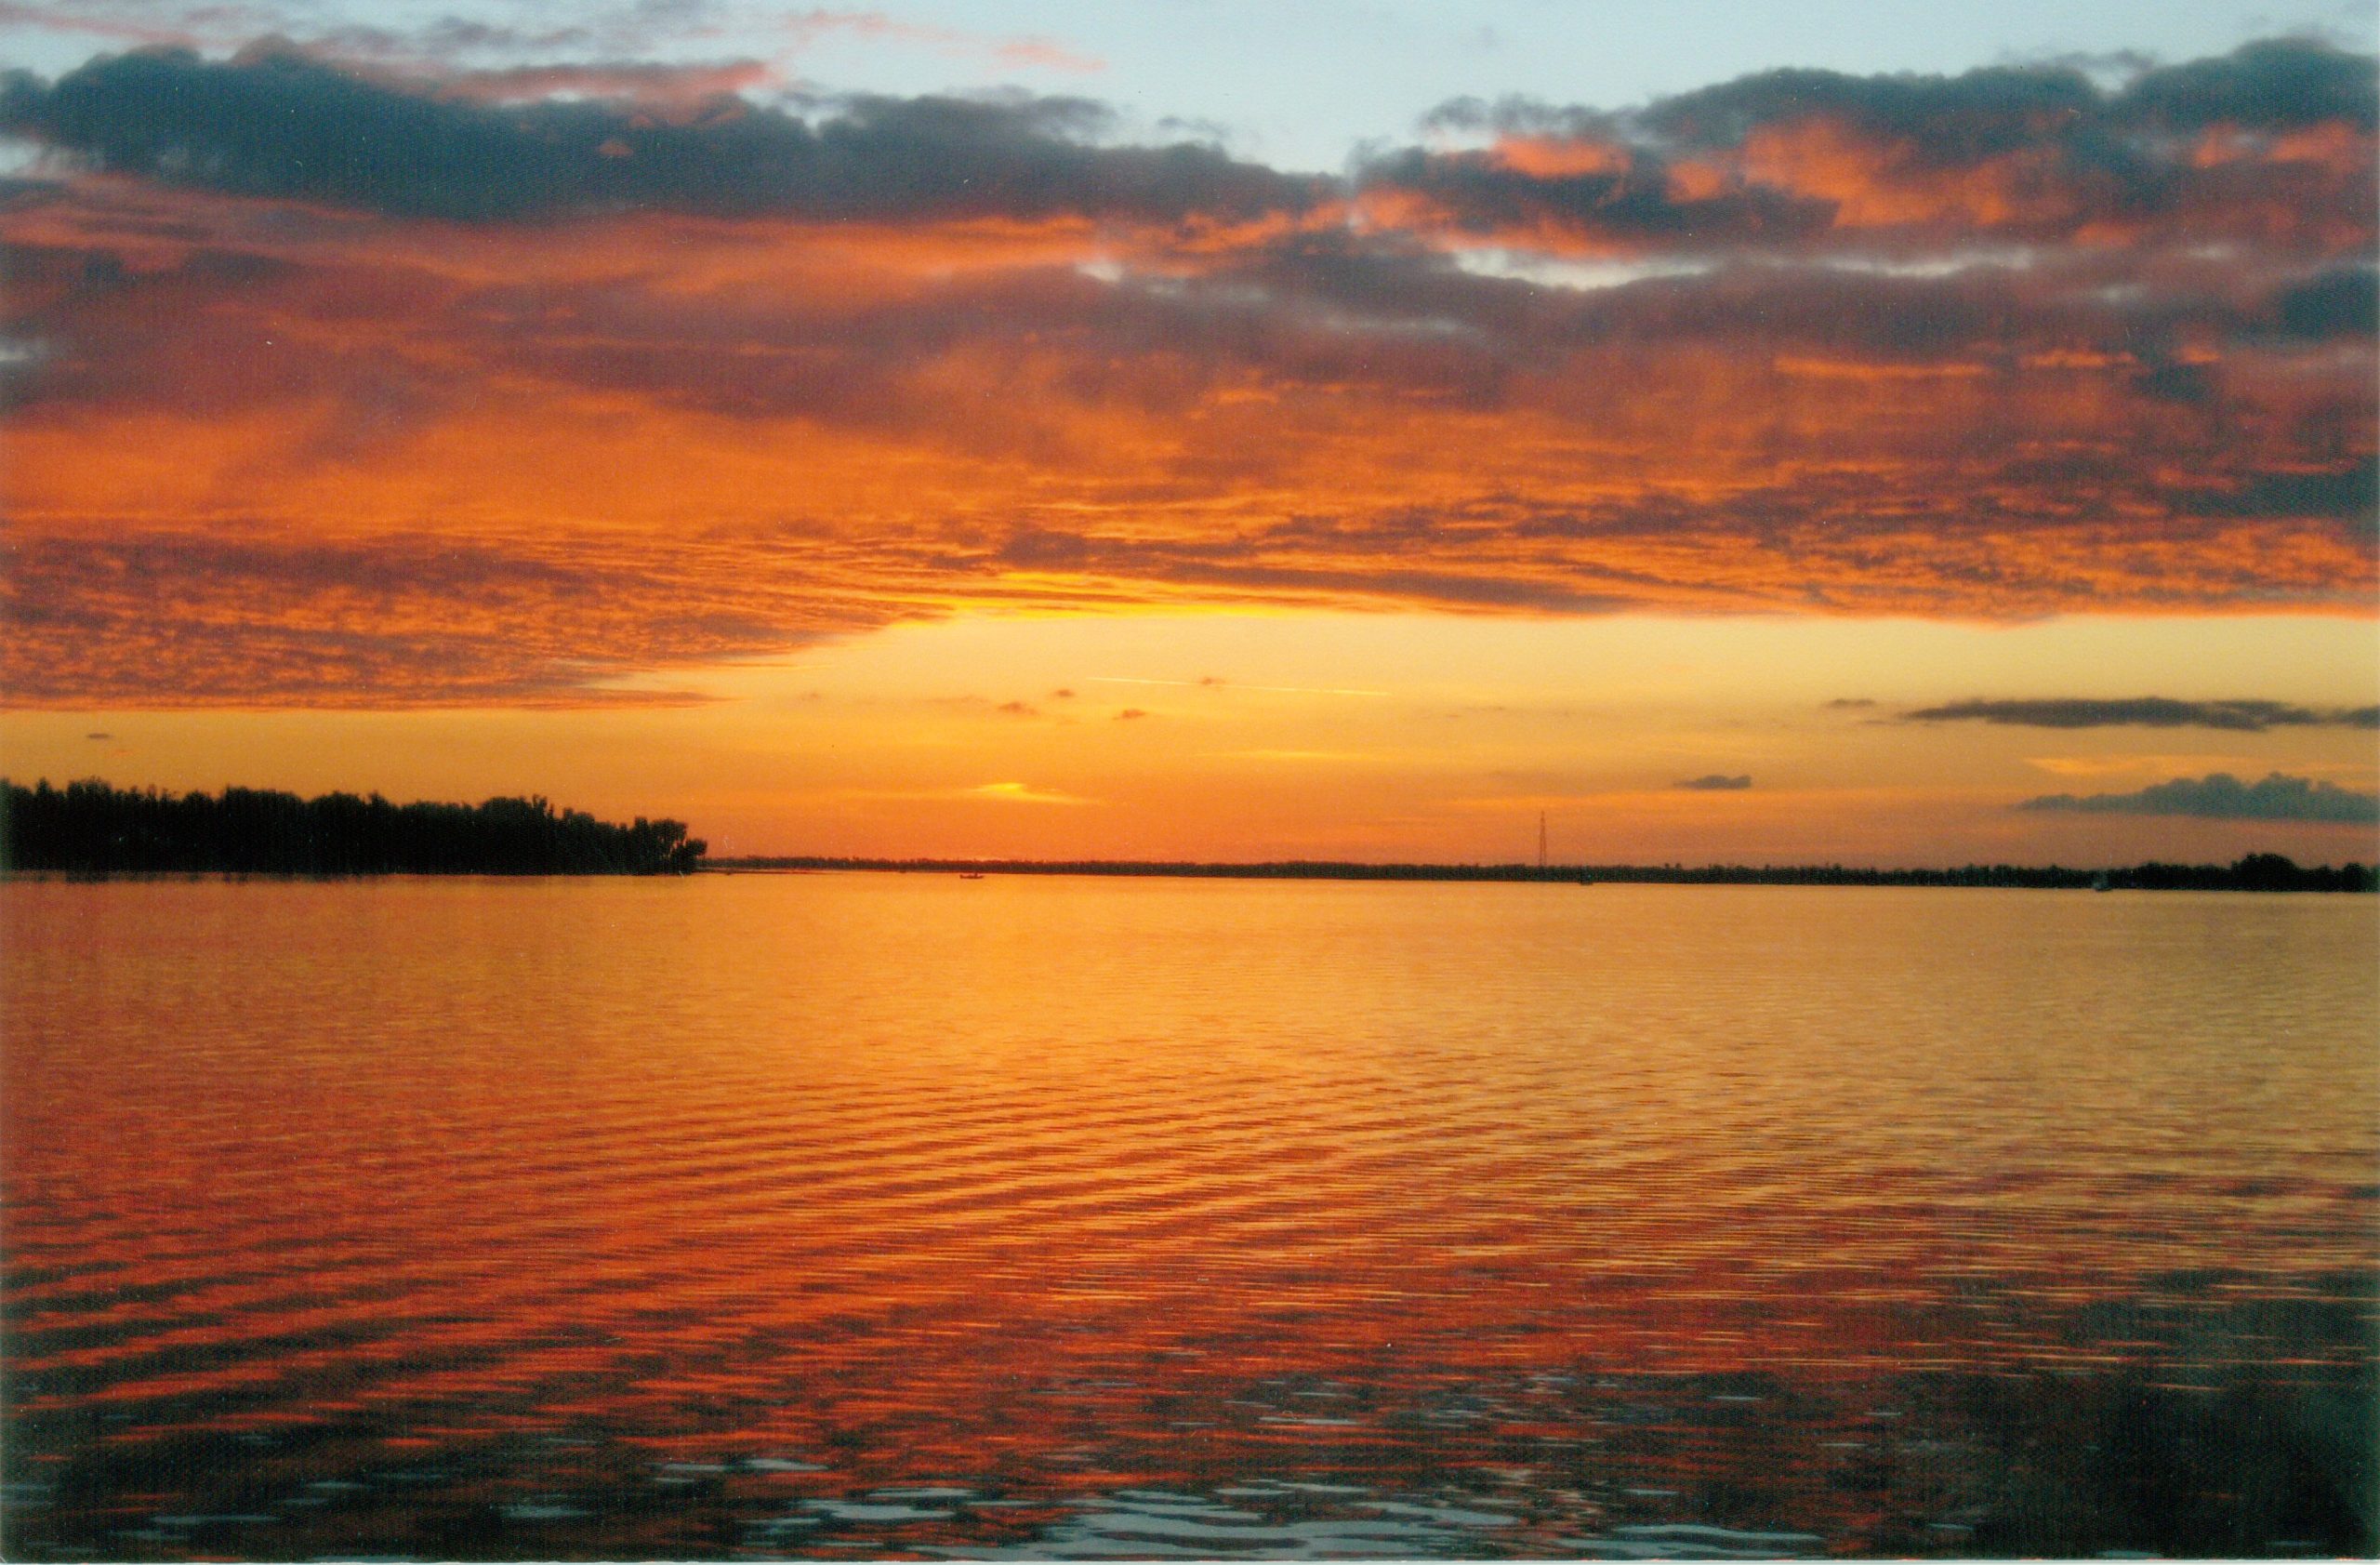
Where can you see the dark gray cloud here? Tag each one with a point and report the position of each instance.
(2091, 157)
(2280, 84)
(2224, 797)
(1950, 119)
(1849, 703)
(2339, 303)
(1716, 782)
(2351, 492)
(2273, 85)
(278, 123)
(1521, 116)
(2149, 711)
(1482, 194)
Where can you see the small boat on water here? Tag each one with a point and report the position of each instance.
(970, 875)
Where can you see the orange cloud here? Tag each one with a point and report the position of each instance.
(267, 449)
(1872, 182)
(2273, 144)
(1547, 157)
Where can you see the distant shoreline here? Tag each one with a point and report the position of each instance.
(2256, 872)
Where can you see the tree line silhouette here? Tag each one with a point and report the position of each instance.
(91, 828)
(2263, 871)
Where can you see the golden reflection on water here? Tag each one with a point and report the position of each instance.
(769, 1214)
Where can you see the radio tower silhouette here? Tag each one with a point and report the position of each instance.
(1541, 842)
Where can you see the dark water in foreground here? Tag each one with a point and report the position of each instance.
(867, 1214)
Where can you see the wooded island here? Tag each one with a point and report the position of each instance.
(90, 827)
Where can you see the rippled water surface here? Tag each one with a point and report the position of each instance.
(814, 1214)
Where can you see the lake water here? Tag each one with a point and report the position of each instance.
(820, 1214)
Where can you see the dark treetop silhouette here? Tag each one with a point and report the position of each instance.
(91, 828)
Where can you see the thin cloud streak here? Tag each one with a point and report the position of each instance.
(2149, 711)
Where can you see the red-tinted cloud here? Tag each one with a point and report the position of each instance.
(379, 413)
(2272, 145)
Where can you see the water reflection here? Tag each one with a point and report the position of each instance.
(823, 1215)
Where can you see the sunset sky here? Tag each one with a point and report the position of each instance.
(1868, 432)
